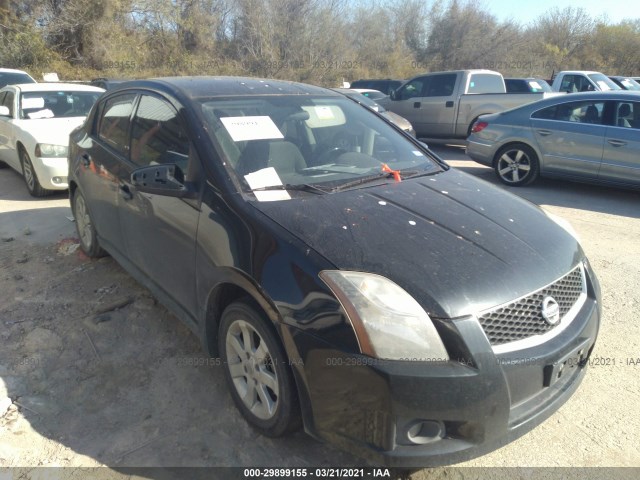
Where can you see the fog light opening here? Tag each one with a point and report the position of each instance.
(425, 431)
(59, 180)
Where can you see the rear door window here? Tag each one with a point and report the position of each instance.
(627, 115)
(580, 112)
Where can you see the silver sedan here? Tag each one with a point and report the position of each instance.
(592, 137)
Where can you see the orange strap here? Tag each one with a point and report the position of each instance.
(395, 173)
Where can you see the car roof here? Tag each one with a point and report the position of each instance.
(12, 70)
(206, 87)
(580, 96)
(578, 72)
(55, 86)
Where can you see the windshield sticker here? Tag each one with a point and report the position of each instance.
(417, 153)
(324, 113)
(33, 102)
(603, 85)
(251, 128)
(267, 177)
(535, 85)
(321, 116)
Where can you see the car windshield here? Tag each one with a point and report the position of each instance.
(299, 140)
(537, 85)
(604, 82)
(630, 84)
(14, 78)
(56, 104)
(374, 94)
(361, 98)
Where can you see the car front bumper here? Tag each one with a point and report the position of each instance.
(421, 414)
(52, 172)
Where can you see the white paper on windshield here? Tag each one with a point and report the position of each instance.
(37, 102)
(46, 113)
(418, 153)
(321, 116)
(251, 128)
(535, 85)
(324, 113)
(267, 177)
(603, 85)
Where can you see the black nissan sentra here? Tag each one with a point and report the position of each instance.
(349, 281)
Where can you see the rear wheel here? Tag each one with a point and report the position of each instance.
(516, 165)
(30, 176)
(257, 371)
(84, 225)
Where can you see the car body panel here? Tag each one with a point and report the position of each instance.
(445, 104)
(458, 245)
(575, 81)
(16, 133)
(458, 223)
(604, 152)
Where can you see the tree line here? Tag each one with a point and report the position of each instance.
(323, 42)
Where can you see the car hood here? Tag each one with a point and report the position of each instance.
(401, 122)
(457, 244)
(50, 130)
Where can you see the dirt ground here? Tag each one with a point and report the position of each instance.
(93, 372)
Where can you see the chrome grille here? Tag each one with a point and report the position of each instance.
(523, 318)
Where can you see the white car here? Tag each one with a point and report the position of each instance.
(9, 76)
(35, 122)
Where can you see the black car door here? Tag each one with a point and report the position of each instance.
(103, 157)
(159, 230)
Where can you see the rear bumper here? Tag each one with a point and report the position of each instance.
(416, 414)
(480, 151)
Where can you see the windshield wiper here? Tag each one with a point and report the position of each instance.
(302, 187)
(423, 173)
(360, 181)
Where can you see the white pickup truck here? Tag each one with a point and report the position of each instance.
(573, 81)
(447, 104)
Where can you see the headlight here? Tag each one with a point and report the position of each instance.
(564, 224)
(388, 322)
(49, 150)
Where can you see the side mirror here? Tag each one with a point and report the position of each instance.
(161, 180)
(424, 144)
(392, 95)
(4, 111)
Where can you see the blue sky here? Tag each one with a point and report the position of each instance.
(526, 11)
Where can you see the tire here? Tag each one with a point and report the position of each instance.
(30, 176)
(516, 165)
(85, 228)
(257, 371)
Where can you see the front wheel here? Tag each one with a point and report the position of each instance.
(257, 371)
(517, 165)
(84, 225)
(30, 176)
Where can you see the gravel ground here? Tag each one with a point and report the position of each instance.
(94, 373)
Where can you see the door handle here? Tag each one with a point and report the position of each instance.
(416, 104)
(545, 133)
(126, 192)
(449, 104)
(617, 143)
(86, 159)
